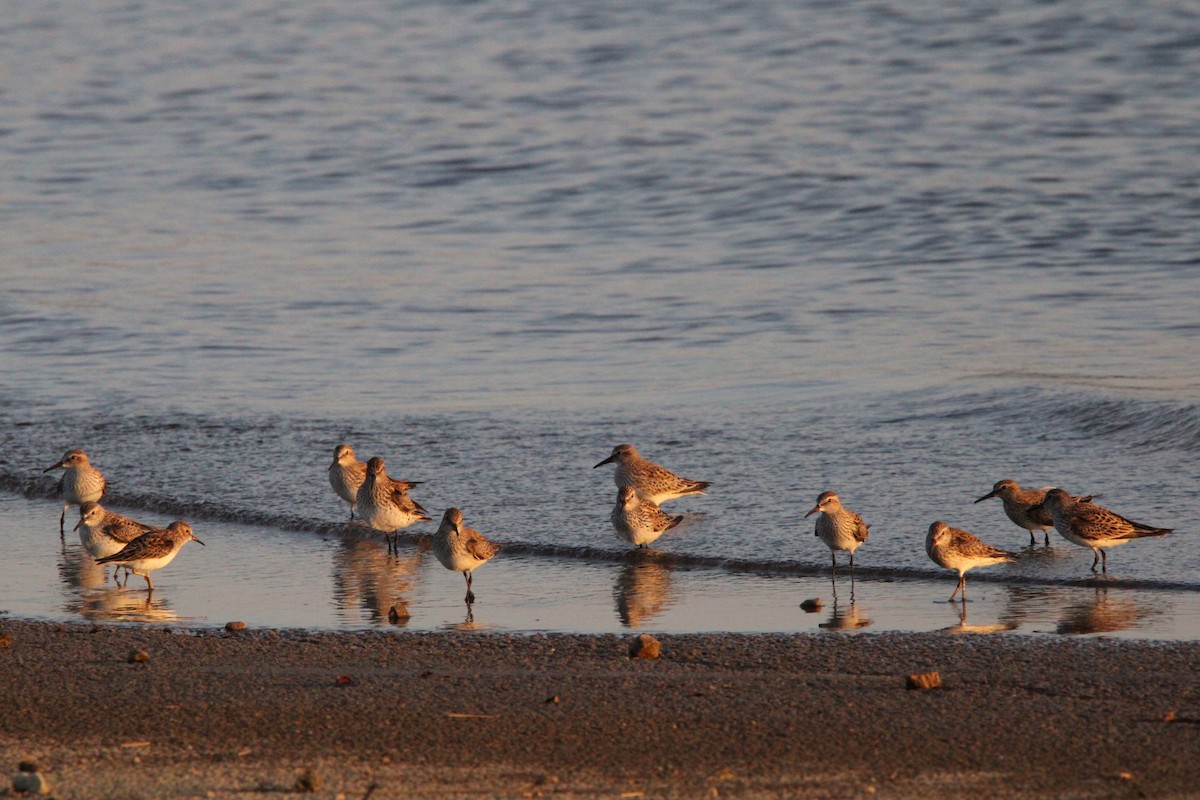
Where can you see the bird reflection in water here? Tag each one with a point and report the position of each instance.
(116, 604)
(1103, 614)
(78, 570)
(642, 590)
(845, 617)
(366, 578)
(966, 627)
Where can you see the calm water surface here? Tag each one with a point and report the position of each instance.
(898, 250)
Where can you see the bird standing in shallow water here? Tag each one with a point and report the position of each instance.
(80, 483)
(652, 482)
(104, 533)
(384, 504)
(460, 548)
(639, 521)
(153, 550)
(347, 473)
(1024, 507)
(1088, 525)
(838, 527)
(959, 550)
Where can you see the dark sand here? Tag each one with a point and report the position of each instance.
(214, 714)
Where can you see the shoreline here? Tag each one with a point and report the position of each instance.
(417, 714)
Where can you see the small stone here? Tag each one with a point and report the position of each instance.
(308, 782)
(6, 640)
(398, 614)
(29, 783)
(1169, 716)
(812, 605)
(924, 680)
(555, 700)
(138, 656)
(235, 626)
(645, 646)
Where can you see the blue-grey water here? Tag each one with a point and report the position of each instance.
(900, 250)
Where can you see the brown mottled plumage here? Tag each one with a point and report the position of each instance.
(959, 550)
(639, 521)
(652, 482)
(153, 550)
(80, 483)
(838, 527)
(460, 548)
(347, 473)
(1024, 507)
(1088, 525)
(384, 504)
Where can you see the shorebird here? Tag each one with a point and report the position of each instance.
(384, 504)
(1088, 525)
(652, 482)
(639, 521)
(1024, 507)
(104, 533)
(838, 527)
(961, 550)
(153, 550)
(80, 483)
(460, 548)
(347, 473)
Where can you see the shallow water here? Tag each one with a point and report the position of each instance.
(489, 243)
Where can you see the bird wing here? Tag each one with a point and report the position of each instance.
(153, 544)
(861, 529)
(478, 546)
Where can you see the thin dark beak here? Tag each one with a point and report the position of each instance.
(985, 497)
(77, 524)
(197, 541)
(54, 466)
(608, 460)
(815, 510)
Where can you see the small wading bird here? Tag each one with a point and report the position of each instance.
(652, 482)
(347, 473)
(639, 521)
(104, 533)
(838, 527)
(959, 550)
(1088, 525)
(460, 548)
(153, 550)
(384, 504)
(80, 483)
(1024, 507)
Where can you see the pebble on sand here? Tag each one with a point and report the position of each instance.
(924, 680)
(398, 613)
(307, 783)
(235, 626)
(6, 640)
(138, 657)
(812, 605)
(28, 780)
(645, 646)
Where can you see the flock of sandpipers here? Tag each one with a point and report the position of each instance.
(382, 503)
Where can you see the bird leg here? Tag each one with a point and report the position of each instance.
(1104, 562)
(960, 585)
(62, 521)
(833, 561)
(470, 595)
(1096, 560)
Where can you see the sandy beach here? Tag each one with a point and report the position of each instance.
(219, 714)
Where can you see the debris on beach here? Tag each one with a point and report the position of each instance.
(235, 626)
(307, 783)
(28, 780)
(137, 656)
(812, 605)
(645, 646)
(924, 680)
(6, 640)
(399, 614)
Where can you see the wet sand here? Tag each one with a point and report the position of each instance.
(216, 714)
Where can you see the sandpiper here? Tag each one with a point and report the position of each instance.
(959, 550)
(639, 521)
(347, 473)
(460, 548)
(80, 483)
(1024, 507)
(104, 533)
(652, 482)
(1088, 525)
(838, 527)
(153, 550)
(384, 504)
